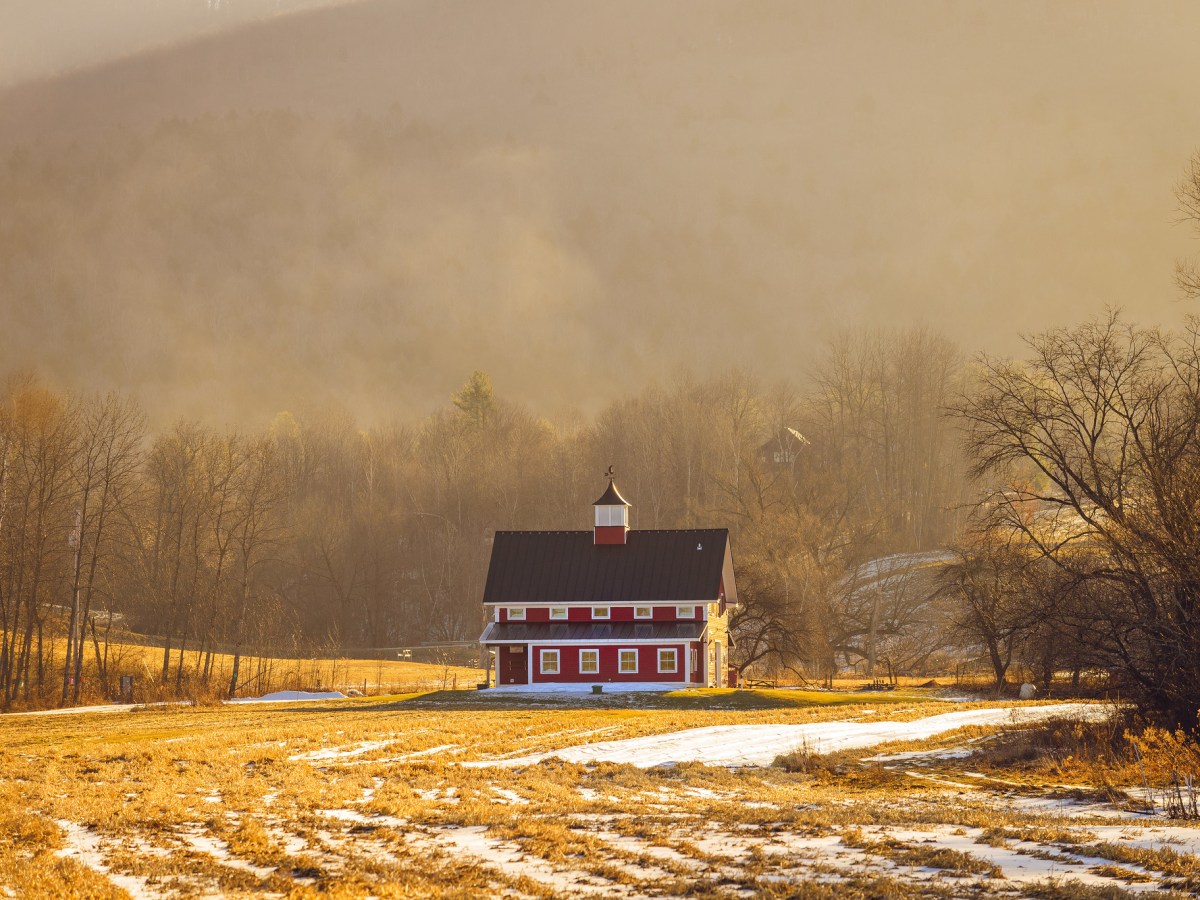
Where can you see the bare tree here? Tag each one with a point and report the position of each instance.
(38, 435)
(257, 529)
(1098, 436)
(987, 580)
(1187, 273)
(111, 430)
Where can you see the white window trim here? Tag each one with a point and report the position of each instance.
(582, 670)
(621, 662)
(691, 612)
(607, 612)
(638, 615)
(516, 613)
(545, 654)
(674, 651)
(556, 618)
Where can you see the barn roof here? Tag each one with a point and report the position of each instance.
(568, 567)
(585, 632)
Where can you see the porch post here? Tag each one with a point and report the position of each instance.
(529, 663)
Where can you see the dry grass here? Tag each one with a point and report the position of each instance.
(258, 675)
(347, 799)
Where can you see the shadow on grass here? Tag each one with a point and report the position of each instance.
(703, 699)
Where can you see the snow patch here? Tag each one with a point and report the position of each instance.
(291, 697)
(83, 846)
(509, 859)
(219, 850)
(341, 752)
(759, 745)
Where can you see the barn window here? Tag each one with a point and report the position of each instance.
(685, 612)
(558, 612)
(627, 661)
(599, 612)
(549, 662)
(516, 613)
(668, 660)
(643, 612)
(589, 662)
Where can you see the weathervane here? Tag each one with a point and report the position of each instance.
(611, 475)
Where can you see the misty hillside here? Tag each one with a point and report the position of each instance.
(363, 203)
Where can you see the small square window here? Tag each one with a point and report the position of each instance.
(668, 660)
(643, 612)
(685, 612)
(516, 613)
(558, 612)
(599, 612)
(589, 662)
(627, 661)
(549, 662)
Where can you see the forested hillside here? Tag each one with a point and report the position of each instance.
(382, 195)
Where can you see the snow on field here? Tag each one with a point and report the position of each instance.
(888, 565)
(219, 850)
(328, 753)
(509, 858)
(759, 745)
(291, 697)
(83, 845)
(66, 710)
(926, 755)
(1020, 862)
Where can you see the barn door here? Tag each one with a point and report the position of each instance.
(518, 664)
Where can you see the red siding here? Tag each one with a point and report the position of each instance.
(616, 614)
(609, 664)
(513, 665)
(610, 534)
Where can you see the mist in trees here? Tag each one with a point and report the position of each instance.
(318, 533)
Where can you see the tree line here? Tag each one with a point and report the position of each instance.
(897, 512)
(317, 532)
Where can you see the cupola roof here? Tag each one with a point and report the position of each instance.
(611, 496)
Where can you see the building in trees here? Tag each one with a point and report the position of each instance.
(783, 449)
(610, 604)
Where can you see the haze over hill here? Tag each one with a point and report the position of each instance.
(364, 202)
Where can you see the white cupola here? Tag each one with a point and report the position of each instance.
(612, 515)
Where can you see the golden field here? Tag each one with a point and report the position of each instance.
(376, 797)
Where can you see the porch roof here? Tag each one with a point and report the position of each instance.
(590, 632)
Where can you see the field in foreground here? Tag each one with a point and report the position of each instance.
(435, 794)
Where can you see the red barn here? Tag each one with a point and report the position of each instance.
(610, 604)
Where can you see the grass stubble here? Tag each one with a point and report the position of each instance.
(367, 798)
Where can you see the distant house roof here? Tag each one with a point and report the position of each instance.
(566, 567)
(576, 632)
(784, 447)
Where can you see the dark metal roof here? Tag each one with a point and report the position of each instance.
(568, 567)
(611, 496)
(582, 632)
